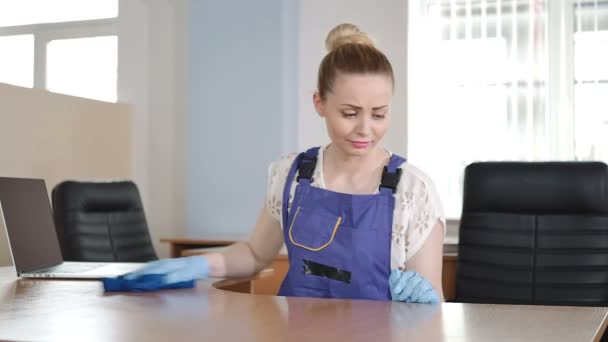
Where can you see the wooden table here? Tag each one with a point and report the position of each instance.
(79, 310)
(177, 245)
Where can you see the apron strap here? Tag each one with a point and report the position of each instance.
(307, 164)
(304, 164)
(391, 175)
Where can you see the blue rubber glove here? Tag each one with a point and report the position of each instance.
(411, 287)
(174, 270)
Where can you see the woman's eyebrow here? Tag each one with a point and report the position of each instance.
(352, 106)
(357, 107)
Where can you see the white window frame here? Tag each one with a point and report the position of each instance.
(560, 89)
(47, 32)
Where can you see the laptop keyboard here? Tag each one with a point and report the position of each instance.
(72, 268)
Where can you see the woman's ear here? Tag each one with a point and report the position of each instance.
(318, 102)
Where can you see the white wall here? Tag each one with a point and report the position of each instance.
(386, 22)
(152, 77)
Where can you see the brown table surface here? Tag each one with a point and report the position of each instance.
(79, 310)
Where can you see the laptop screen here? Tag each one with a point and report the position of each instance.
(29, 224)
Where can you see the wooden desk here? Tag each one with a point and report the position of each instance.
(177, 245)
(79, 310)
(270, 285)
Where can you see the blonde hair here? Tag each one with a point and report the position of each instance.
(346, 34)
(350, 51)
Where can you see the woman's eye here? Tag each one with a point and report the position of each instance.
(349, 114)
(378, 116)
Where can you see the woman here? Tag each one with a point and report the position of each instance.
(357, 220)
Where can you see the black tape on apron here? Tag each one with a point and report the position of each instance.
(314, 268)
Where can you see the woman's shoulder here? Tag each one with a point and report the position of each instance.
(284, 162)
(417, 191)
(413, 176)
(278, 170)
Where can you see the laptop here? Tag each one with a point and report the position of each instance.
(25, 211)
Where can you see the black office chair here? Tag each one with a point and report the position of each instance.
(534, 233)
(101, 221)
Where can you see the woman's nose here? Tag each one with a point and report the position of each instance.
(363, 125)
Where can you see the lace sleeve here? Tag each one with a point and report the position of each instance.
(425, 210)
(277, 175)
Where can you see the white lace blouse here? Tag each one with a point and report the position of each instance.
(417, 205)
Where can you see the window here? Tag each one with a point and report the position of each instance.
(17, 60)
(27, 12)
(85, 67)
(505, 80)
(64, 46)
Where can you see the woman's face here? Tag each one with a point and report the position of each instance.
(357, 111)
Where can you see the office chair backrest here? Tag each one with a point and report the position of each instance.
(101, 221)
(534, 233)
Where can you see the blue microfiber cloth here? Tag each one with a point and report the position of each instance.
(143, 283)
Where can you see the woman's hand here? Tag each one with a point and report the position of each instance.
(174, 270)
(411, 287)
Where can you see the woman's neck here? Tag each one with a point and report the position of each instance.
(341, 163)
(353, 174)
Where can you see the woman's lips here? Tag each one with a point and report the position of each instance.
(360, 144)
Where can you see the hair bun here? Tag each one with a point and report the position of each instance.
(346, 34)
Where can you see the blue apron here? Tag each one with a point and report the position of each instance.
(339, 244)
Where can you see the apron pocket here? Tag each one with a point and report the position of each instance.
(313, 229)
